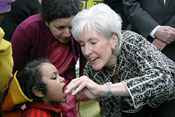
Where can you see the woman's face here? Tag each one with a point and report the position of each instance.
(54, 83)
(97, 49)
(60, 29)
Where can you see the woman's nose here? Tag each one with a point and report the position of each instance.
(67, 32)
(87, 50)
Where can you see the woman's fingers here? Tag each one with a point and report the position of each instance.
(80, 87)
(74, 85)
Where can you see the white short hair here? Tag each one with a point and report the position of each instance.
(101, 18)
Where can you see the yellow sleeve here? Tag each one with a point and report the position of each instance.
(6, 61)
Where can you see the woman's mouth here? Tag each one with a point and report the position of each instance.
(93, 60)
(64, 40)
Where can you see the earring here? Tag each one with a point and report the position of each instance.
(114, 50)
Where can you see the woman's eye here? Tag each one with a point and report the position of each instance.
(93, 42)
(54, 78)
(81, 45)
(60, 28)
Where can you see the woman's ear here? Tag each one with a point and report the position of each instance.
(38, 93)
(114, 40)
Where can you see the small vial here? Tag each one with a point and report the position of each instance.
(72, 91)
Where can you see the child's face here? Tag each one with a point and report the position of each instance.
(54, 84)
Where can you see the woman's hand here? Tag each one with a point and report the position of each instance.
(85, 87)
(159, 44)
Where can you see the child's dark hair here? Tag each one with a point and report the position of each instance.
(30, 77)
(53, 9)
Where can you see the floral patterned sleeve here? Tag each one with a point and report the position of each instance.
(151, 78)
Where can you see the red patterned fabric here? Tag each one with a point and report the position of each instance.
(37, 109)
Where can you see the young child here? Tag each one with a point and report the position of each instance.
(42, 87)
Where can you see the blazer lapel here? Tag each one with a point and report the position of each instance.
(167, 3)
(161, 2)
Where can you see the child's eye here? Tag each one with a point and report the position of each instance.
(54, 78)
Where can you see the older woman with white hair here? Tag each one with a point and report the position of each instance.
(129, 76)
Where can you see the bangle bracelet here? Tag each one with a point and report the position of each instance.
(109, 87)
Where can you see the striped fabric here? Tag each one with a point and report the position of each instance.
(38, 109)
(37, 113)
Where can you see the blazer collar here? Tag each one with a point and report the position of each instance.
(166, 4)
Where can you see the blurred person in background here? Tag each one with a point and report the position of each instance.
(117, 6)
(155, 20)
(20, 10)
(89, 3)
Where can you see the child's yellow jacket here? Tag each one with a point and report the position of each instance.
(6, 61)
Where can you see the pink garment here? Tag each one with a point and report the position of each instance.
(62, 58)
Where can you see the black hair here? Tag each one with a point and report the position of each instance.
(53, 9)
(30, 77)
